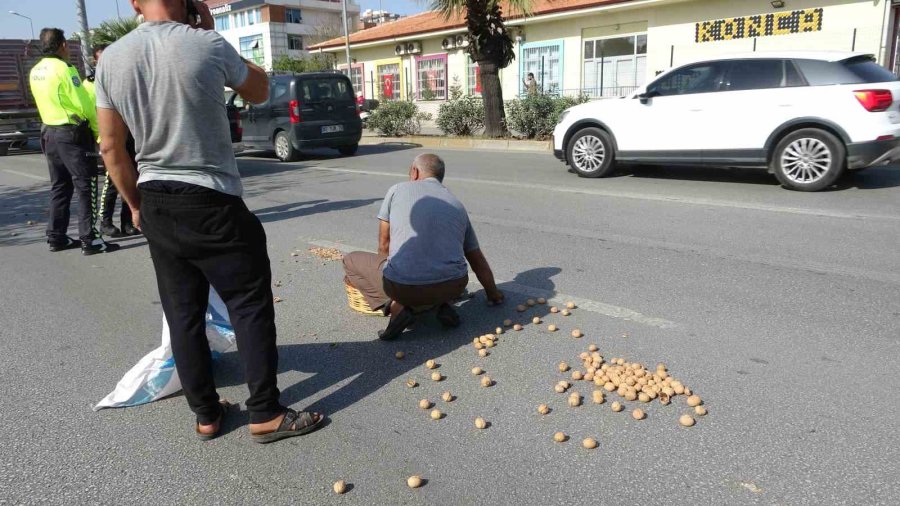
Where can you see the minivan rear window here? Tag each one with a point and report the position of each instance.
(325, 89)
(858, 70)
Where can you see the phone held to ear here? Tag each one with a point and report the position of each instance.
(193, 15)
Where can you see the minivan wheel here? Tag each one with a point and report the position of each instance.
(591, 153)
(284, 150)
(348, 150)
(809, 160)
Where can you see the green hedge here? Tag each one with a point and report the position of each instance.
(397, 118)
(535, 116)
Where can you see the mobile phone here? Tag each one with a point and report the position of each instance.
(193, 15)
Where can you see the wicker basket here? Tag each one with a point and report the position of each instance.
(358, 303)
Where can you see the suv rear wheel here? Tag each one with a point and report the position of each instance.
(284, 150)
(348, 150)
(590, 153)
(809, 160)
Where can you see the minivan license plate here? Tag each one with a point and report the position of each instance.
(332, 129)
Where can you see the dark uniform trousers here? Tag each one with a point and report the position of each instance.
(67, 149)
(110, 193)
(200, 237)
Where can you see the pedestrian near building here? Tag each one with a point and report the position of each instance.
(68, 142)
(425, 239)
(109, 194)
(531, 84)
(186, 198)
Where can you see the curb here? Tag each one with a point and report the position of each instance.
(426, 141)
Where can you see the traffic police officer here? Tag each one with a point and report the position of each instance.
(67, 139)
(109, 195)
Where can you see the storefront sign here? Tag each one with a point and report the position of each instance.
(763, 25)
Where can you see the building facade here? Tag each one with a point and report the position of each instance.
(264, 30)
(608, 48)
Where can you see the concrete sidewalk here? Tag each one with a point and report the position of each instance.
(433, 139)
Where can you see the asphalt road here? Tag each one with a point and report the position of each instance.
(780, 309)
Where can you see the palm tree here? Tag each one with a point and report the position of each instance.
(112, 30)
(491, 47)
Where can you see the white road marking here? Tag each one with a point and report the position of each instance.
(621, 313)
(25, 174)
(637, 196)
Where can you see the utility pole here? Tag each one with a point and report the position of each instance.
(85, 33)
(346, 34)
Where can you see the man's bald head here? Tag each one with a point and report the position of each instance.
(430, 165)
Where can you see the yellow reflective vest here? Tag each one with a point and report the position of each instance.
(60, 94)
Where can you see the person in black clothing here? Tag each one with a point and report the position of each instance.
(110, 194)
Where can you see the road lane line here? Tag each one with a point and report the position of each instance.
(25, 174)
(618, 312)
(635, 196)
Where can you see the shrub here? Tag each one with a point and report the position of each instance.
(535, 116)
(396, 118)
(462, 115)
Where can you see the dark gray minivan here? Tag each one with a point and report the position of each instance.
(306, 110)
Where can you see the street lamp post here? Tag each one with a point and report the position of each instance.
(117, 9)
(346, 36)
(14, 13)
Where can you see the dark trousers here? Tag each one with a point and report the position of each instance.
(108, 205)
(362, 270)
(110, 193)
(71, 171)
(197, 238)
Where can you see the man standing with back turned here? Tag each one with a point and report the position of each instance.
(67, 140)
(164, 82)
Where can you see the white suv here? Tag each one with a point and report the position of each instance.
(806, 116)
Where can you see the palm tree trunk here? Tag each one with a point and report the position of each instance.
(492, 93)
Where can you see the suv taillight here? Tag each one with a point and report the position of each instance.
(294, 111)
(875, 100)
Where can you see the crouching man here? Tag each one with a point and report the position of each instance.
(424, 241)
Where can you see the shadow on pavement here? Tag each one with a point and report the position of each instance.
(18, 206)
(298, 209)
(364, 367)
(867, 179)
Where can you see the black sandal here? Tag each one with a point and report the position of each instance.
(295, 423)
(223, 409)
(397, 325)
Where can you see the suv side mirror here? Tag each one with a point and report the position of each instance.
(646, 96)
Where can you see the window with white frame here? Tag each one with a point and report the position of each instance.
(292, 16)
(431, 74)
(295, 42)
(247, 17)
(545, 62)
(473, 78)
(615, 66)
(388, 85)
(357, 77)
(223, 22)
(252, 48)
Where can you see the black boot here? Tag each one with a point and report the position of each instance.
(97, 246)
(109, 230)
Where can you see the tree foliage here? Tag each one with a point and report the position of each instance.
(312, 63)
(112, 30)
(491, 46)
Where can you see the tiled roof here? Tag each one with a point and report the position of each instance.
(434, 21)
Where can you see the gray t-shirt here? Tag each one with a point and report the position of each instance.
(430, 233)
(167, 81)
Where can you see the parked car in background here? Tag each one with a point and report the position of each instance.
(805, 116)
(304, 111)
